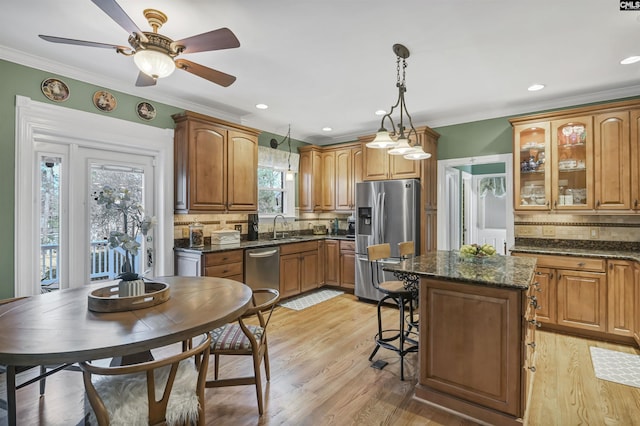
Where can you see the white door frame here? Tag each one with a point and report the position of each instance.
(40, 122)
(444, 189)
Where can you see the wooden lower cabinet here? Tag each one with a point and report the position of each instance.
(582, 300)
(636, 321)
(348, 264)
(473, 356)
(226, 264)
(332, 262)
(298, 268)
(620, 297)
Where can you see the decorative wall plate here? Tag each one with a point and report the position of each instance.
(55, 90)
(104, 101)
(146, 111)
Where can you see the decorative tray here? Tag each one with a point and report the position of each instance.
(106, 299)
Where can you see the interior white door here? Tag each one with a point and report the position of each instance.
(489, 213)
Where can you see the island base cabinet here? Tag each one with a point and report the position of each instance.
(471, 349)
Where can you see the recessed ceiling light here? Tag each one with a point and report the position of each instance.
(381, 112)
(535, 87)
(327, 129)
(262, 106)
(630, 60)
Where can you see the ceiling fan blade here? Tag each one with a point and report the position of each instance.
(54, 39)
(115, 12)
(212, 75)
(222, 38)
(145, 80)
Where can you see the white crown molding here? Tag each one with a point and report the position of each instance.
(36, 62)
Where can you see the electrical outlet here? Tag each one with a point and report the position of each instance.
(185, 232)
(238, 227)
(549, 231)
(594, 233)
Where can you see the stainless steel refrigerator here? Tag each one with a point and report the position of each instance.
(387, 211)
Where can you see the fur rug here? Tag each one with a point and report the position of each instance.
(125, 396)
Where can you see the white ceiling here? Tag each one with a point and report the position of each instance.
(330, 62)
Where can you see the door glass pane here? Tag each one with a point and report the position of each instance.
(49, 223)
(128, 187)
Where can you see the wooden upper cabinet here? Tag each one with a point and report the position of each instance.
(379, 165)
(612, 160)
(344, 182)
(328, 202)
(635, 159)
(310, 179)
(242, 172)
(636, 313)
(215, 165)
(376, 163)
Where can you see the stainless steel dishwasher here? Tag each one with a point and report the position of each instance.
(262, 267)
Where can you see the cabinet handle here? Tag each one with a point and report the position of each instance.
(581, 264)
(611, 266)
(555, 204)
(532, 368)
(635, 203)
(551, 276)
(598, 203)
(532, 344)
(535, 323)
(547, 203)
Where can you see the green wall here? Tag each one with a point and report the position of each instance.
(472, 139)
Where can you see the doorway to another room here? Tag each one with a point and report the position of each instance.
(475, 202)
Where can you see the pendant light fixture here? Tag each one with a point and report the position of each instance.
(383, 137)
(290, 175)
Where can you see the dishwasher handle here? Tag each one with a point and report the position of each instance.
(267, 253)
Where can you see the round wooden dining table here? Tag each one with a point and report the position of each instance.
(58, 327)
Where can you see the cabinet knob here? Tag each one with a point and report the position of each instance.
(532, 344)
(555, 203)
(547, 203)
(535, 323)
(635, 203)
(598, 203)
(532, 368)
(581, 264)
(611, 266)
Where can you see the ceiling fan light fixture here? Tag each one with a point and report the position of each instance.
(154, 63)
(382, 140)
(402, 147)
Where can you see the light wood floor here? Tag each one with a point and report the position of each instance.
(320, 376)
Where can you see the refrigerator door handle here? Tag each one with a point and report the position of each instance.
(376, 220)
(383, 207)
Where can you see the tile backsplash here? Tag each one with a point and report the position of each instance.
(578, 227)
(213, 222)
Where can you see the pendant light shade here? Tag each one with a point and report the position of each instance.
(382, 140)
(402, 147)
(417, 154)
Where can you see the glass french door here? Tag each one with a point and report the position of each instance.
(73, 231)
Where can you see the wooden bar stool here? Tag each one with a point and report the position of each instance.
(397, 340)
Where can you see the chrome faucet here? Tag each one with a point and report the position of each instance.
(275, 235)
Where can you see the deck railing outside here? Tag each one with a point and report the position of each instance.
(106, 263)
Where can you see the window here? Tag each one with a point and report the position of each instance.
(276, 195)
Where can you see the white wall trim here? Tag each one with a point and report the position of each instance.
(42, 122)
(443, 212)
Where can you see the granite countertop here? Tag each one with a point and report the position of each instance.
(579, 252)
(260, 243)
(496, 271)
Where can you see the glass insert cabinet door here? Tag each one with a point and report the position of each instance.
(532, 176)
(572, 171)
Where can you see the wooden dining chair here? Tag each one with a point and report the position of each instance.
(248, 337)
(11, 375)
(163, 391)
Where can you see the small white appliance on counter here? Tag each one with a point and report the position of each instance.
(225, 236)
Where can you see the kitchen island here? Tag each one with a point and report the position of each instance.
(477, 322)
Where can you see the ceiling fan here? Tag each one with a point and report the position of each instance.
(155, 54)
